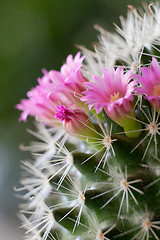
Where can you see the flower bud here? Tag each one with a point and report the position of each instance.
(75, 122)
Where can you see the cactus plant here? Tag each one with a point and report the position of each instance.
(95, 172)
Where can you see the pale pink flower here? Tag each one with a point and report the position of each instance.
(70, 74)
(38, 103)
(150, 83)
(54, 89)
(43, 100)
(72, 64)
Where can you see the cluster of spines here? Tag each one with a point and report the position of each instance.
(68, 188)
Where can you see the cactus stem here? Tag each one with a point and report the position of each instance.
(65, 159)
(153, 129)
(120, 184)
(78, 201)
(102, 144)
(146, 227)
(95, 230)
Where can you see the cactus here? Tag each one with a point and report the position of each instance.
(95, 172)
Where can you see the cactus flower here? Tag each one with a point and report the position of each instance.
(150, 83)
(75, 122)
(38, 103)
(53, 89)
(113, 93)
(70, 74)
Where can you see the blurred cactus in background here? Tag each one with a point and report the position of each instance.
(95, 172)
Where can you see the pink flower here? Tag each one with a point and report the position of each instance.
(150, 83)
(113, 93)
(54, 89)
(75, 122)
(70, 74)
(43, 100)
(38, 103)
(72, 64)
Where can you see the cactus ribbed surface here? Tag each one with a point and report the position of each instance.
(95, 172)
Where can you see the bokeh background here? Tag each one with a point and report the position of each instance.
(36, 34)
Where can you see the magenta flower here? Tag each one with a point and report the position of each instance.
(54, 89)
(113, 93)
(150, 83)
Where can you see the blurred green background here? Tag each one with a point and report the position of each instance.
(36, 34)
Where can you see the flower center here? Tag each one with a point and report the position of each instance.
(124, 184)
(156, 91)
(146, 224)
(81, 198)
(100, 236)
(152, 128)
(63, 113)
(114, 97)
(69, 158)
(107, 141)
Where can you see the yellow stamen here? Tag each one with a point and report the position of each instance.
(114, 97)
